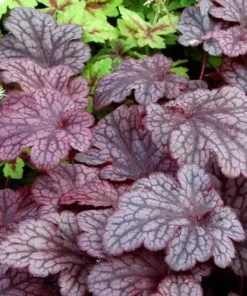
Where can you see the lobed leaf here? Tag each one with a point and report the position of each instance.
(47, 247)
(121, 139)
(49, 123)
(36, 36)
(186, 217)
(49, 188)
(195, 23)
(150, 77)
(32, 77)
(230, 10)
(201, 122)
(132, 274)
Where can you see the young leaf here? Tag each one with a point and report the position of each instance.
(92, 223)
(230, 10)
(187, 217)
(47, 247)
(150, 77)
(122, 140)
(234, 72)
(51, 45)
(51, 186)
(135, 29)
(14, 169)
(179, 285)
(21, 283)
(194, 24)
(132, 274)
(201, 122)
(32, 77)
(48, 122)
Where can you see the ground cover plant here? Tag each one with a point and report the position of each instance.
(123, 148)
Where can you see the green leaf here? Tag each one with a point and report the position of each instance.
(4, 4)
(94, 71)
(54, 6)
(103, 7)
(96, 29)
(14, 169)
(182, 71)
(214, 62)
(135, 29)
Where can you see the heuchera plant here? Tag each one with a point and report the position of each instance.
(141, 185)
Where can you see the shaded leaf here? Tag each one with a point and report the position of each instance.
(122, 140)
(52, 185)
(201, 122)
(159, 207)
(46, 43)
(150, 77)
(44, 121)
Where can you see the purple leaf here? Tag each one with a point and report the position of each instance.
(195, 23)
(92, 223)
(234, 72)
(132, 274)
(49, 123)
(50, 187)
(235, 196)
(98, 194)
(230, 10)
(48, 247)
(21, 283)
(36, 36)
(232, 41)
(15, 207)
(122, 140)
(150, 77)
(179, 285)
(159, 207)
(202, 122)
(32, 77)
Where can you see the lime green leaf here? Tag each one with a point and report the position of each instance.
(96, 29)
(2, 92)
(103, 7)
(14, 169)
(54, 6)
(19, 3)
(135, 29)
(178, 63)
(182, 71)
(94, 71)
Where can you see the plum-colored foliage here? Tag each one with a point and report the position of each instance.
(142, 199)
(135, 75)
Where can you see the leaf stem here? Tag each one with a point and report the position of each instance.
(204, 61)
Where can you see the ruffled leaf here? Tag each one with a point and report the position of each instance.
(150, 77)
(49, 123)
(46, 43)
(48, 247)
(105, 7)
(51, 186)
(201, 122)
(159, 207)
(230, 10)
(122, 140)
(195, 23)
(92, 223)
